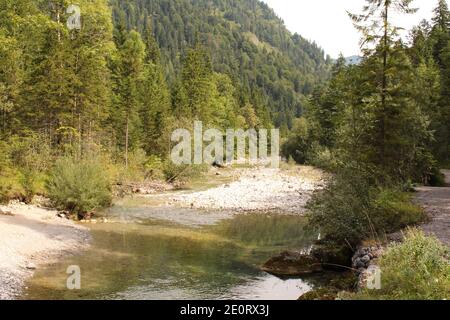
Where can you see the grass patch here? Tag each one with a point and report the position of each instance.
(417, 269)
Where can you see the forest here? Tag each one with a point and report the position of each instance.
(133, 72)
(88, 109)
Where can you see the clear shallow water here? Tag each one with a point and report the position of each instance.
(164, 253)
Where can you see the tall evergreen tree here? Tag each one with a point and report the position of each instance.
(197, 84)
(393, 147)
(130, 76)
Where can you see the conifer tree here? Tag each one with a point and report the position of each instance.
(130, 75)
(388, 92)
(197, 84)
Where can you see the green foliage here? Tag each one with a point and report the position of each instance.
(394, 210)
(351, 209)
(437, 178)
(10, 186)
(417, 269)
(342, 211)
(23, 167)
(182, 173)
(271, 68)
(298, 144)
(79, 186)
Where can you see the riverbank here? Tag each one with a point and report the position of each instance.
(31, 237)
(259, 189)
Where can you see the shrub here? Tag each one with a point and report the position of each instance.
(79, 186)
(351, 209)
(417, 269)
(10, 186)
(183, 173)
(322, 157)
(298, 144)
(154, 168)
(436, 178)
(341, 212)
(27, 160)
(394, 210)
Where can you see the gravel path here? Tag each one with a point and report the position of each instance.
(436, 202)
(264, 190)
(31, 237)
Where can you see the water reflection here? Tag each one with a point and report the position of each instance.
(162, 257)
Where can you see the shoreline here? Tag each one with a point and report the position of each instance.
(258, 190)
(31, 237)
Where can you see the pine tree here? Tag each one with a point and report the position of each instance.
(155, 112)
(197, 84)
(11, 76)
(440, 42)
(388, 93)
(130, 75)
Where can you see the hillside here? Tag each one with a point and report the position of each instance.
(246, 40)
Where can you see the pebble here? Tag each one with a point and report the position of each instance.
(30, 266)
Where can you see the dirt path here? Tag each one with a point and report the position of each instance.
(436, 202)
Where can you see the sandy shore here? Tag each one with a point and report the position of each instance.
(29, 238)
(259, 190)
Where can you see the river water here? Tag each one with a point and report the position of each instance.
(155, 252)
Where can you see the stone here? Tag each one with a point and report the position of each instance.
(359, 264)
(30, 266)
(292, 264)
(332, 257)
(6, 213)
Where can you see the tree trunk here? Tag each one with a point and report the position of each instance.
(126, 141)
(384, 84)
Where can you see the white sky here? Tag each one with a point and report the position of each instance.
(327, 23)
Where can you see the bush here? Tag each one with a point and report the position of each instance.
(436, 178)
(10, 186)
(24, 162)
(298, 144)
(79, 186)
(394, 210)
(417, 269)
(341, 212)
(182, 173)
(322, 157)
(351, 209)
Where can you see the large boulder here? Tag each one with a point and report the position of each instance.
(332, 256)
(290, 263)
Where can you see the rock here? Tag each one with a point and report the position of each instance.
(6, 213)
(63, 214)
(332, 256)
(30, 266)
(217, 164)
(292, 264)
(359, 263)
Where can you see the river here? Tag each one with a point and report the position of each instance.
(155, 252)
